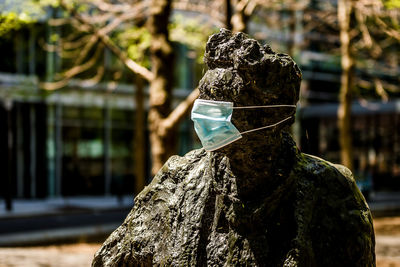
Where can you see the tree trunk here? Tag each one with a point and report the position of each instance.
(228, 7)
(139, 138)
(162, 140)
(162, 122)
(292, 33)
(240, 18)
(347, 63)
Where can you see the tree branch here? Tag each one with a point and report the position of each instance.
(118, 20)
(386, 29)
(88, 64)
(180, 111)
(214, 11)
(104, 31)
(364, 30)
(77, 44)
(380, 90)
(84, 52)
(114, 8)
(75, 71)
(105, 39)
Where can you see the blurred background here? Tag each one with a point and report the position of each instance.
(95, 96)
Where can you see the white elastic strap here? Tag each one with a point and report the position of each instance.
(268, 106)
(225, 144)
(268, 126)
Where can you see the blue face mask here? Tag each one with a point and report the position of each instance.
(212, 122)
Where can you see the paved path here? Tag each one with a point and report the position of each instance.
(81, 255)
(77, 255)
(388, 251)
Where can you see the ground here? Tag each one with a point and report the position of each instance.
(387, 241)
(80, 255)
(77, 255)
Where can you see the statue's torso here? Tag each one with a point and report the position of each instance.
(192, 215)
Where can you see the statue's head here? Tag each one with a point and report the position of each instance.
(242, 71)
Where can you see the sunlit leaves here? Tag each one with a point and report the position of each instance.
(192, 32)
(136, 41)
(18, 13)
(391, 4)
(8, 23)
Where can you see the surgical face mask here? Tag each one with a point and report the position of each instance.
(212, 122)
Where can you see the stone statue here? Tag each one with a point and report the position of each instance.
(258, 201)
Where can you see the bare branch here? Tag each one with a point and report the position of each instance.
(239, 17)
(74, 35)
(215, 12)
(77, 44)
(118, 20)
(95, 79)
(58, 22)
(51, 86)
(279, 5)
(65, 54)
(380, 91)
(180, 111)
(386, 29)
(107, 7)
(369, 7)
(364, 30)
(250, 7)
(48, 47)
(88, 64)
(80, 27)
(132, 11)
(98, 19)
(132, 65)
(85, 51)
(93, 39)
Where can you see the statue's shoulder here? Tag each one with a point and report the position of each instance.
(326, 173)
(340, 215)
(176, 171)
(155, 227)
(332, 185)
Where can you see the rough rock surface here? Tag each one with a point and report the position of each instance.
(256, 202)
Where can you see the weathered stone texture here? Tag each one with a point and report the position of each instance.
(256, 202)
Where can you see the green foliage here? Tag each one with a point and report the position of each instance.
(136, 41)
(26, 11)
(189, 32)
(8, 23)
(54, 37)
(192, 32)
(390, 4)
(15, 14)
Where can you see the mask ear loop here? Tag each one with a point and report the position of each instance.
(268, 106)
(268, 126)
